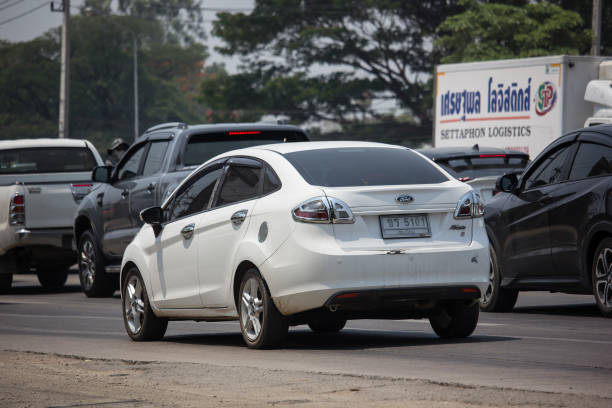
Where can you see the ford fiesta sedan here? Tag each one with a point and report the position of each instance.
(309, 233)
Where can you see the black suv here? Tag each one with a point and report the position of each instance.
(109, 217)
(552, 228)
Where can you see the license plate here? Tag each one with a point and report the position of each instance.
(405, 226)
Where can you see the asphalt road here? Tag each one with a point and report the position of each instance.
(551, 342)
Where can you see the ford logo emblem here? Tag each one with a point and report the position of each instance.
(404, 199)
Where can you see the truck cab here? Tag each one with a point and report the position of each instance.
(109, 217)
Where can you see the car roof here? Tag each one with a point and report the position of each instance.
(441, 153)
(47, 142)
(284, 148)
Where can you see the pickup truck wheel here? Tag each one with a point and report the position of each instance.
(52, 278)
(95, 282)
(140, 322)
(456, 320)
(6, 280)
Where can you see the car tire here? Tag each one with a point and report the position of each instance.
(456, 320)
(52, 277)
(328, 325)
(495, 298)
(95, 282)
(261, 324)
(139, 320)
(6, 280)
(601, 275)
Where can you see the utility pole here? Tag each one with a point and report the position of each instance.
(136, 131)
(64, 99)
(596, 27)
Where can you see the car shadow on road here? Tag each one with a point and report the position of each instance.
(348, 339)
(589, 310)
(37, 289)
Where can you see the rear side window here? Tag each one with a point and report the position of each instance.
(369, 166)
(271, 181)
(240, 183)
(200, 148)
(46, 160)
(155, 158)
(592, 160)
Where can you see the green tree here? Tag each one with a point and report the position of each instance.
(490, 31)
(101, 61)
(334, 56)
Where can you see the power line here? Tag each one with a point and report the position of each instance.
(23, 14)
(9, 5)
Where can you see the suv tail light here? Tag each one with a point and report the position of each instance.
(17, 209)
(79, 191)
(323, 210)
(469, 206)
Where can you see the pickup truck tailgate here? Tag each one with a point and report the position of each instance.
(53, 202)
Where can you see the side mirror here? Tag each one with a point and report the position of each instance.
(102, 174)
(153, 216)
(507, 183)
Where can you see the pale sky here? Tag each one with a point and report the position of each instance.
(37, 22)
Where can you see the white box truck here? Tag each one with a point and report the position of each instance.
(520, 104)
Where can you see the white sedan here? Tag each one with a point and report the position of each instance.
(309, 233)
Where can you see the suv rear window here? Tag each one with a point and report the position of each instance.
(369, 166)
(46, 160)
(200, 148)
(474, 167)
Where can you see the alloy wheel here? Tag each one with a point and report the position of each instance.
(88, 264)
(603, 277)
(486, 296)
(251, 312)
(134, 304)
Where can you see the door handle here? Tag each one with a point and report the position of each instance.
(187, 231)
(544, 200)
(151, 188)
(125, 193)
(238, 217)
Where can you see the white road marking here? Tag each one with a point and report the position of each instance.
(37, 316)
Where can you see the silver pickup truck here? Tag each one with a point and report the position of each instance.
(42, 182)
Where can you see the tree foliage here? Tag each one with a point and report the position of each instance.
(334, 55)
(101, 63)
(490, 31)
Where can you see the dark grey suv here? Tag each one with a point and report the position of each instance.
(108, 218)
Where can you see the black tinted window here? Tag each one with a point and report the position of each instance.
(364, 166)
(240, 183)
(591, 160)
(130, 167)
(550, 170)
(474, 167)
(203, 147)
(195, 196)
(46, 160)
(155, 158)
(271, 181)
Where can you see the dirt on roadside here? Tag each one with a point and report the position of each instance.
(45, 380)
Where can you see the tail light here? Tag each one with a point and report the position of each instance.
(323, 210)
(17, 209)
(79, 191)
(469, 206)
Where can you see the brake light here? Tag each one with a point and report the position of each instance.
(464, 179)
(492, 155)
(323, 210)
(245, 132)
(17, 209)
(469, 206)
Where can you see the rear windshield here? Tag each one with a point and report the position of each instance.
(474, 167)
(46, 160)
(201, 148)
(370, 166)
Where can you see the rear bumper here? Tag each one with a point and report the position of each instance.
(308, 274)
(56, 240)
